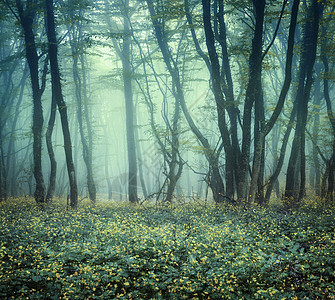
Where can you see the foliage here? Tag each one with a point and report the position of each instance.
(137, 252)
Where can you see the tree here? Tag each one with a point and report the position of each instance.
(330, 166)
(57, 94)
(79, 75)
(212, 156)
(26, 17)
(296, 176)
(217, 84)
(124, 52)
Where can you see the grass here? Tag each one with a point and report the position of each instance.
(186, 252)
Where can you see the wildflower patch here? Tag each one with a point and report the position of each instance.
(186, 252)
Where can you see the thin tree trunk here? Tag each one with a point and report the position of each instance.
(266, 128)
(219, 98)
(130, 123)
(90, 180)
(330, 113)
(57, 93)
(211, 155)
(53, 163)
(82, 99)
(140, 161)
(294, 189)
(253, 94)
(315, 176)
(27, 16)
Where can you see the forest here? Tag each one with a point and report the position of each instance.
(167, 149)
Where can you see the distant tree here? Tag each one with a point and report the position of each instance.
(76, 17)
(124, 52)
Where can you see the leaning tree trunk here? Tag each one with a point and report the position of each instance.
(219, 98)
(27, 16)
(79, 78)
(57, 93)
(211, 155)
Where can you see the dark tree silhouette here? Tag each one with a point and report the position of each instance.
(57, 94)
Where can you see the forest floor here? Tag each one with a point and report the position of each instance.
(189, 251)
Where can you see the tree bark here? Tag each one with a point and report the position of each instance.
(57, 93)
(295, 185)
(254, 95)
(219, 98)
(264, 129)
(130, 124)
(51, 153)
(86, 142)
(330, 169)
(27, 16)
(211, 155)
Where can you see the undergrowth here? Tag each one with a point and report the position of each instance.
(146, 252)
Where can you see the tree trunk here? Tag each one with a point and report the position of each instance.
(130, 124)
(53, 163)
(87, 147)
(3, 182)
(295, 185)
(211, 155)
(254, 94)
(219, 98)
(260, 138)
(330, 113)
(315, 174)
(77, 44)
(57, 93)
(27, 16)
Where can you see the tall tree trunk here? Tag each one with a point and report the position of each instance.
(232, 150)
(211, 155)
(219, 98)
(331, 164)
(57, 93)
(171, 155)
(9, 164)
(315, 174)
(140, 161)
(27, 16)
(263, 129)
(90, 179)
(87, 146)
(130, 123)
(295, 185)
(254, 94)
(80, 80)
(175, 163)
(53, 163)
